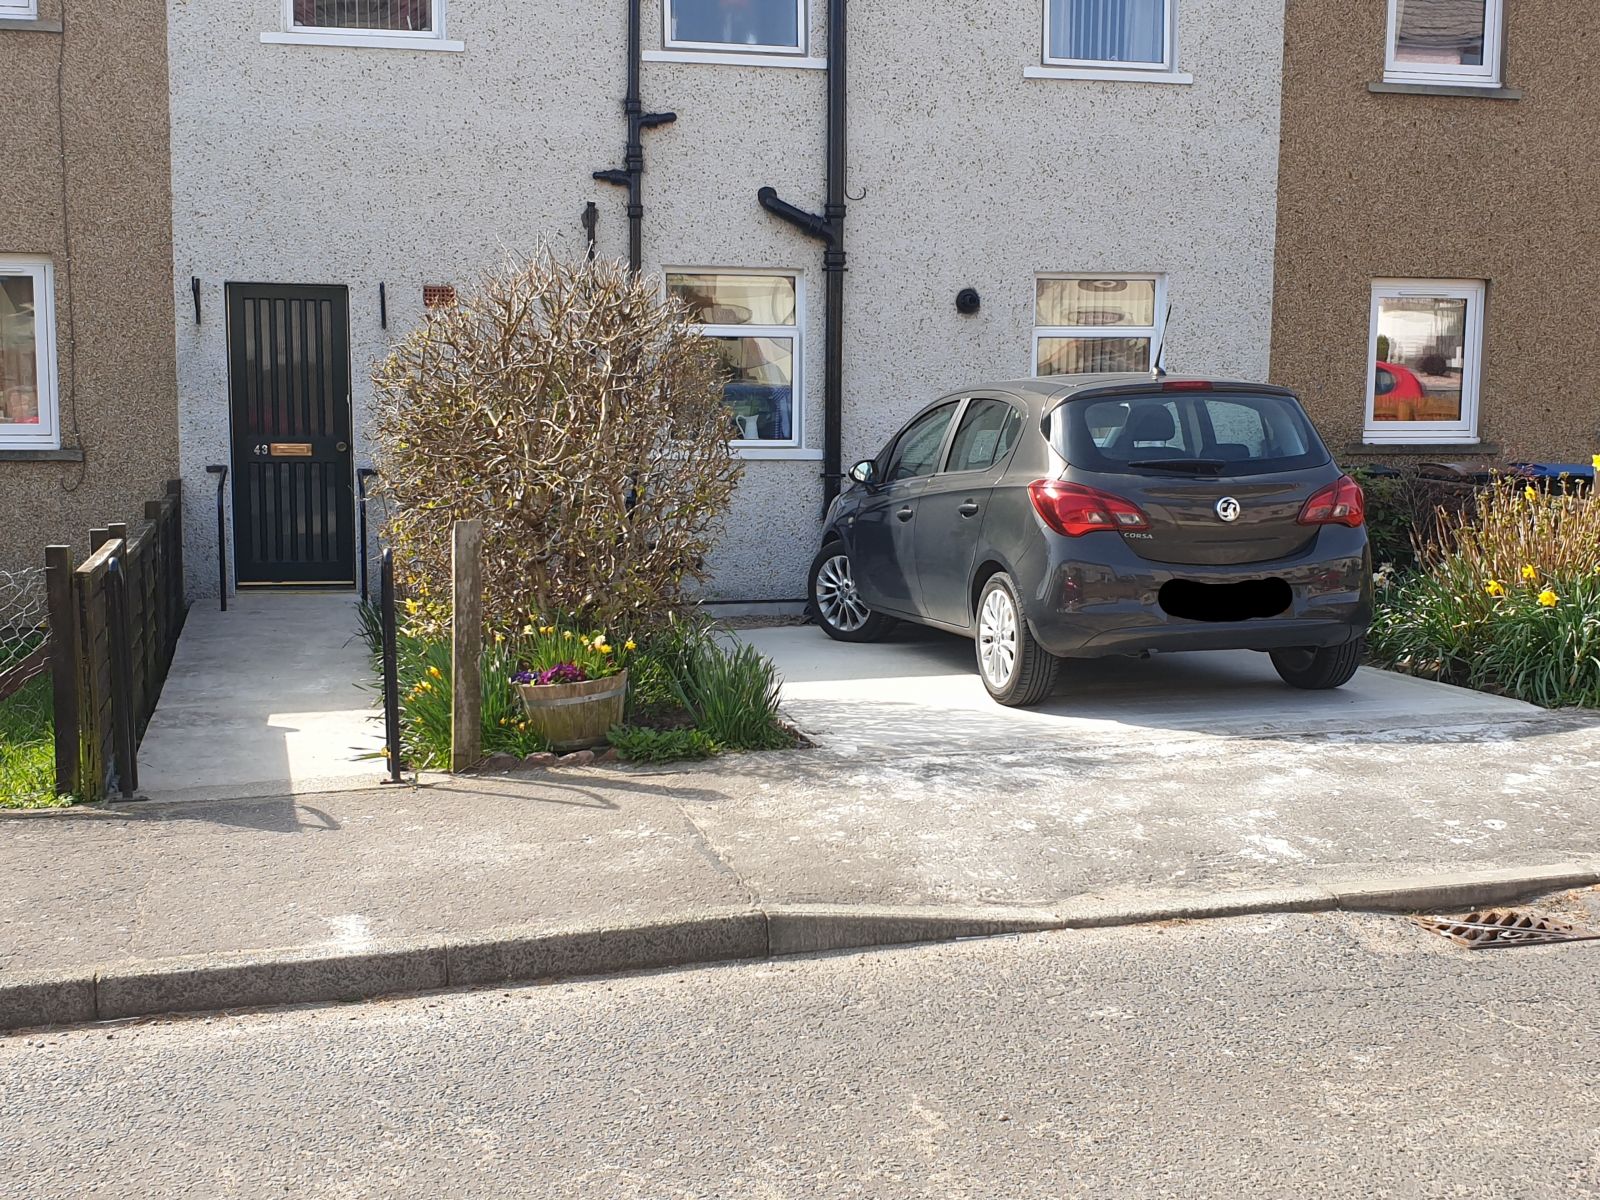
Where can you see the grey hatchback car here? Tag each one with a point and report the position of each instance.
(1089, 515)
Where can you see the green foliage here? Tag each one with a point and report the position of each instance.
(1391, 517)
(28, 748)
(424, 664)
(541, 647)
(636, 743)
(1510, 602)
(732, 694)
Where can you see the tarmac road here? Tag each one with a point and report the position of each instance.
(1293, 1056)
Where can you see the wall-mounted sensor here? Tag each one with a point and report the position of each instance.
(967, 301)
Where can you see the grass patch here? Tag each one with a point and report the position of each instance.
(28, 748)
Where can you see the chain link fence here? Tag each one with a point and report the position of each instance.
(27, 741)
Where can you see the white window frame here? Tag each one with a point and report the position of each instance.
(1155, 333)
(1167, 66)
(1474, 292)
(46, 434)
(795, 333)
(391, 39)
(802, 29)
(19, 10)
(1488, 75)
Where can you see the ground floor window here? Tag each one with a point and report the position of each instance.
(753, 321)
(27, 354)
(1425, 360)
(1088, 323)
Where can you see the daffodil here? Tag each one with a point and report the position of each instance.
(566, 633)
(630, 646)
(498, 636)
(1548, 598)
(412, 606)
(527, 631)
(1530, 572)
(435, 672)
(599, 641)
(1530, 492)
(1495, 588)
(1595, 462)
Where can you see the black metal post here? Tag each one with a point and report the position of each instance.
(222, 535)
(362, 475)
(122, 718)
(391, 670)
(829, 229)
(591, 223)
(383, 306)
(632, 174)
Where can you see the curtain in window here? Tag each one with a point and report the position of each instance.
(1132, 31)
(736, 22)
(1448, 32)
(385, 15)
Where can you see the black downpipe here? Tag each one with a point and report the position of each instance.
(632, 174)
(829, 229)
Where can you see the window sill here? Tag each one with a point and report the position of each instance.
(1477, 91)
(1110, 74)
(1473, 449)
(735, 59)
(72, 454)
(30, 25)
(362, 41)
(753, 453)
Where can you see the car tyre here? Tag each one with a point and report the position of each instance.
(836, 604)
(1322, 668)
(1016, 670)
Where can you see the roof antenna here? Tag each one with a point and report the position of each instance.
(1157, 370)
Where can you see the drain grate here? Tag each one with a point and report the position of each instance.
(1506, 927)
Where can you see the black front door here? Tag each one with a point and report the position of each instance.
(289, 378)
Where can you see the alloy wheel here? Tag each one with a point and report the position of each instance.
(997, 638)
(837, 599)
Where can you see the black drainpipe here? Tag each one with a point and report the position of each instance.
(632, 174)
(829, 229)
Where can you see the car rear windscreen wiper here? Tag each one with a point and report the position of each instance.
(1195, 466)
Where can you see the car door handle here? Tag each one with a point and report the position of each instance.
(905, 514)
(969, 509)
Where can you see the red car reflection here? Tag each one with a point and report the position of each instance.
(1398, 394)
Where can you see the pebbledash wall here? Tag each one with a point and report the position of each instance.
(970, 166)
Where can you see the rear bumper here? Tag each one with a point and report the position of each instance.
(1102, 599)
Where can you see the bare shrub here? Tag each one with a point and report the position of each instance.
(578, 413)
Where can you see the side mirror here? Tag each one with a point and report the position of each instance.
(864, 471)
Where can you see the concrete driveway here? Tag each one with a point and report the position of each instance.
(919, 693)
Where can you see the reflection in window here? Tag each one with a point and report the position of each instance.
(374, 16)
(1107, 32)
(27, 382)
(726, 24)
(1444, 41)
(1426, 346)
(1085, 325)
(752, 321)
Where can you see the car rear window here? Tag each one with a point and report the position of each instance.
(1223, 433)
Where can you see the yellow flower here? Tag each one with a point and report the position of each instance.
(1595, 461)
(603, 648)
(547, 629)
(435, 672)
(566, 633)
(630, 646)
(412, 606)
(1530, 492)
(527, 631)
(502, 720)
(498, 636)
(1548, 598)
(599, 641)
(1495, 588)
(1530, 572)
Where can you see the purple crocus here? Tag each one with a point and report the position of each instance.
(562, 673)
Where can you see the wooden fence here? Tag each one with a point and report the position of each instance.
(114, 625)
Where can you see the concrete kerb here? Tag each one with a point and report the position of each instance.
(269, 978)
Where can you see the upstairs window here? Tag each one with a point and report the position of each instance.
(1085, 324)
(1451, 42)
(383, 22)
(753, 321)
(759, 26)
(24, 10)
(1122, 34)
(27, 355)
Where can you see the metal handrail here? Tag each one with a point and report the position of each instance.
(221, 472)
(362, 475)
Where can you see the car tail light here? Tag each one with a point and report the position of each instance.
(1075, 510)
(1339, 503)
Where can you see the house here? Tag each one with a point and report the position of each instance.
(1436, 229)
(88, 392)
(1031, 185)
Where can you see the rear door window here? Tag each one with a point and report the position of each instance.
(1196, 432)
(985, 436)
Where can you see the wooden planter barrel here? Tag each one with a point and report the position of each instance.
(575, 716)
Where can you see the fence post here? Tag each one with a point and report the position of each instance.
(123, 714)
(466, 645)
(391, 668)
(63, 663)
